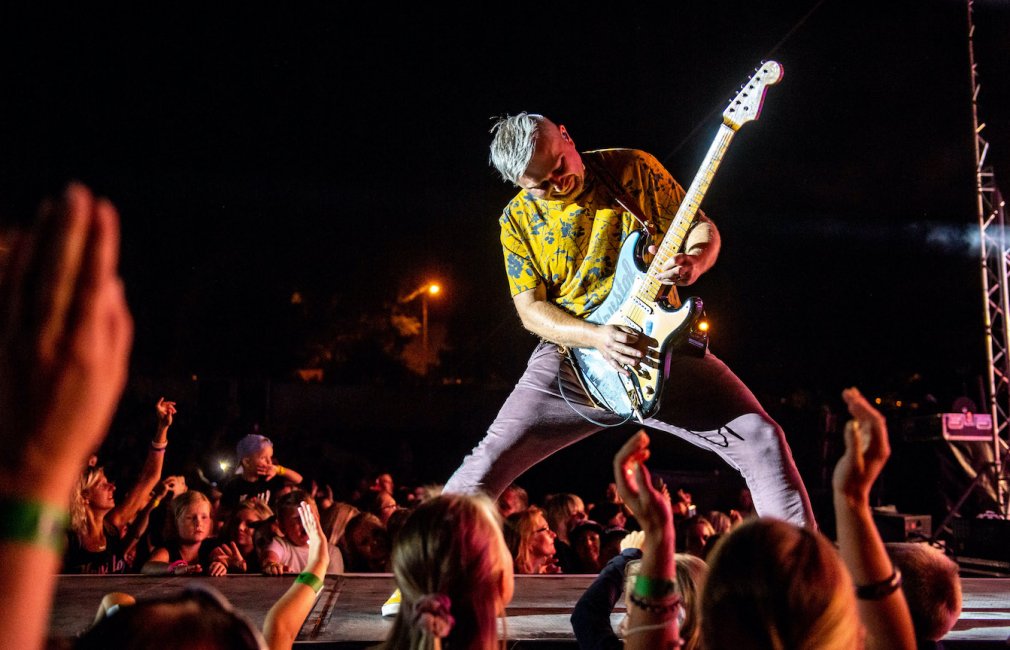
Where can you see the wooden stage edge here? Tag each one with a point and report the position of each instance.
(346, 614)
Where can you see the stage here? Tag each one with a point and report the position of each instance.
(346, 615)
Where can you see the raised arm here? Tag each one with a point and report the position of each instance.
(652, 616)
(882, 604)
(286, 617)
(138, 495)
(65, 336)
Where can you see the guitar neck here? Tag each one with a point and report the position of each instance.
(676, 233)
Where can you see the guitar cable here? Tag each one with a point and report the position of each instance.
(585, 417)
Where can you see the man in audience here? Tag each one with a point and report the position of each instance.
(932, 588)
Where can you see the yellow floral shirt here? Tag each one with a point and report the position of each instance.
(571, 247)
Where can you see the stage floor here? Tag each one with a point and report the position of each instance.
(346, 615)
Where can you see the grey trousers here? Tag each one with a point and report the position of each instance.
(703, 403)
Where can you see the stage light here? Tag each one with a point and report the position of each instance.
(224, 465)
(703, 326)
(433, 289)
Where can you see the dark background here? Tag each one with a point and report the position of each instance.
(339, 152)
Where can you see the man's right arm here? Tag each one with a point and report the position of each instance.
(554, 324)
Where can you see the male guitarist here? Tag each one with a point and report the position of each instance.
(561, 237)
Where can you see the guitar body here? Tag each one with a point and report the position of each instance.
(637, 300)
(657, 322)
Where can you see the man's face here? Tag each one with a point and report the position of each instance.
(555, 171)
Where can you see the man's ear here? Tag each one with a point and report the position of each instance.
(564, 133)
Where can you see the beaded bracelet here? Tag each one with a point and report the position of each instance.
(649, 587)
(670, 605)
(880, 590)
(310, 579)
(34, 523)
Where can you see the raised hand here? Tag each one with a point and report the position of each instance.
(634, 485)
(166, 413)
(65, 337)
(866, 448)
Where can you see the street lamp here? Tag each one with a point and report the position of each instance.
(424, 291)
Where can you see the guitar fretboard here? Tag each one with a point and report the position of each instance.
(651, 287)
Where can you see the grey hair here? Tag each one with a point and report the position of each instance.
(515, 138)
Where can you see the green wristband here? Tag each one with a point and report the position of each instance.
(34, 523)
(649, 587)
(311, 580)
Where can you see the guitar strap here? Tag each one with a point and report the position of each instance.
(621, 197)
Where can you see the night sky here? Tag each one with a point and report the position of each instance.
(340, 152)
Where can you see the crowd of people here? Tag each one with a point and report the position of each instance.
(738, 580)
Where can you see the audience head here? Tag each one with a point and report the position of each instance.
(335, 520)
(563, 512)
(383, 483)
(93, 495)
(191, 514)
(774, 585)
(932, 587)
(534, 545)
(697, 531)
(198, 617)
(255, 454)
(454, 574)
(367, 543)
(513, 499)
(289, 520)
(721, 523)
(239, 526)
(382, 506)
(585, 541)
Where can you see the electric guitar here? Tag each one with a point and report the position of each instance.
(639, 301)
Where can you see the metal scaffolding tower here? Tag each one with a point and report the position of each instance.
(995, 253)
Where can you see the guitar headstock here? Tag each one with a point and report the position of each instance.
(746, 106)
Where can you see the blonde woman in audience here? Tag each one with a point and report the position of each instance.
(535, 553)
(455, 576)
(97, 540)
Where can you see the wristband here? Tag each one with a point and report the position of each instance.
(159, 446)
(880, 590)
(33, 523)
(649, 587)
(156, 502)
(310, 579)
(280, 470)
(174, 565)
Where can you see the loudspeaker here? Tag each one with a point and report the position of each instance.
(982, 541)
(898, 527)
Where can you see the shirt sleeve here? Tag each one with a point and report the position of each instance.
(519, 267)
(591, 616)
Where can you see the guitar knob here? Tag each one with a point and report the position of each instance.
(643, 372)
(649, 390)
